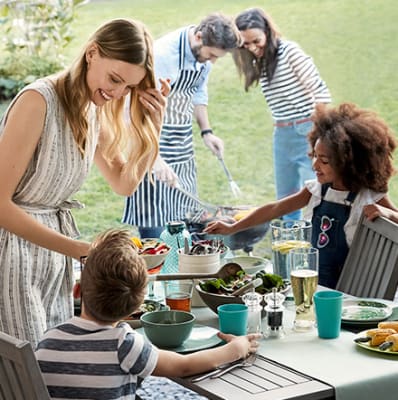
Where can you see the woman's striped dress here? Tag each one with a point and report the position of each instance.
(35, 283)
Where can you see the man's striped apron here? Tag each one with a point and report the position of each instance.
(155, 204)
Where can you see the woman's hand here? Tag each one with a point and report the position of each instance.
(155, 102)
(164, 173)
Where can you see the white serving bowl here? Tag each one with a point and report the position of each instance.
(153, 260)
(252, 264)
(198, 263)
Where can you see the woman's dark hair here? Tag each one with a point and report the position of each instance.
(246, 62)
(360, 145)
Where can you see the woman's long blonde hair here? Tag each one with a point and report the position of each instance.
(123, 40)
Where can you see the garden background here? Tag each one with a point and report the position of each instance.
(354, 44)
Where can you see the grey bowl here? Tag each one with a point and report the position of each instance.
(213, 300)
(167, 328)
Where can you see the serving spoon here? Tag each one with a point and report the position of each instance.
(227, 270)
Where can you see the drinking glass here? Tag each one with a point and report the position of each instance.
(285, 236)
(179, 294)
(304, 280)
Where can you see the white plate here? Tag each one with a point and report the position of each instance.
(202, 337)
(365, 311)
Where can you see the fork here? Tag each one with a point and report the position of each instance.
(247, 362)
(211, 373)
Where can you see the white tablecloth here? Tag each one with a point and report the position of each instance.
(355, 373)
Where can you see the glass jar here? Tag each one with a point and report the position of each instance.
(253, 302)
(174, 236)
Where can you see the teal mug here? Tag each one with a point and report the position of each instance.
(328, 309)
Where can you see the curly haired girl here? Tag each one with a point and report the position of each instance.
(351, 151)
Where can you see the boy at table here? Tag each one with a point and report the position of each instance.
(94, 355)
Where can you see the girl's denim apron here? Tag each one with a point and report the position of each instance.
(328, 236)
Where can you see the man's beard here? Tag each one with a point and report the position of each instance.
(196, 53)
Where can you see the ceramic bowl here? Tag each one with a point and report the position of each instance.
(252, 264)
(147, 306)
(213, 300)
(169, 328)
(153, 260)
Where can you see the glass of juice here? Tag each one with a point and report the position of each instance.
(179, 294)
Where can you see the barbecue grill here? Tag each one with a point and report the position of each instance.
(197, 220)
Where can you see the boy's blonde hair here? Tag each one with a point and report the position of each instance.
(114, 278)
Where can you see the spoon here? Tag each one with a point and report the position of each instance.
(254, 283)
(227, 270)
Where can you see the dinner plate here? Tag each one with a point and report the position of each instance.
(366, 346)
(365, 311)
(201, 337)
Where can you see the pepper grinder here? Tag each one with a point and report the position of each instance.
(253, 302)
(274, 309)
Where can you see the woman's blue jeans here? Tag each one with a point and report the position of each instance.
(292, 164)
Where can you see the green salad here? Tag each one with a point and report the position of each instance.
(234, 282)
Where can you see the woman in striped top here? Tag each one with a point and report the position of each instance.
(50, 135)
(95, 357)
(292, 87)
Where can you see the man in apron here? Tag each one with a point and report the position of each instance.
(184, 57)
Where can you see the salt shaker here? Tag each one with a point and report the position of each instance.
(274, 309)
(253, 302)
(174, 236)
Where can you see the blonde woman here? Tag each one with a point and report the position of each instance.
(49, 136)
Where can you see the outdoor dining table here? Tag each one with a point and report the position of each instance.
(300, 365)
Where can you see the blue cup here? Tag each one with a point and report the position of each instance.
(328, 309)
(232, 318)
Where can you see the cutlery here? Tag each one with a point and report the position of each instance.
(210, 207)
(247, 362)
(186, 246)
(232, 184)
(226, 271)
(216, 371)
(252, 284)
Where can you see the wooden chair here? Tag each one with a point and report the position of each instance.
(20, 374)
(371, 267)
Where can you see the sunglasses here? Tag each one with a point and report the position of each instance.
(323, 238)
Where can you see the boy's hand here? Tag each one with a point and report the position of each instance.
(249, 343)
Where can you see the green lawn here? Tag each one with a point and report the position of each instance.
(353, 44)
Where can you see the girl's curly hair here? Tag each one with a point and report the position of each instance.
(360, 143)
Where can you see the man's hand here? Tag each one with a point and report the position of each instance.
(215, 144)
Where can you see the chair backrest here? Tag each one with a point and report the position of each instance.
(20, 374)
(371, 266)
